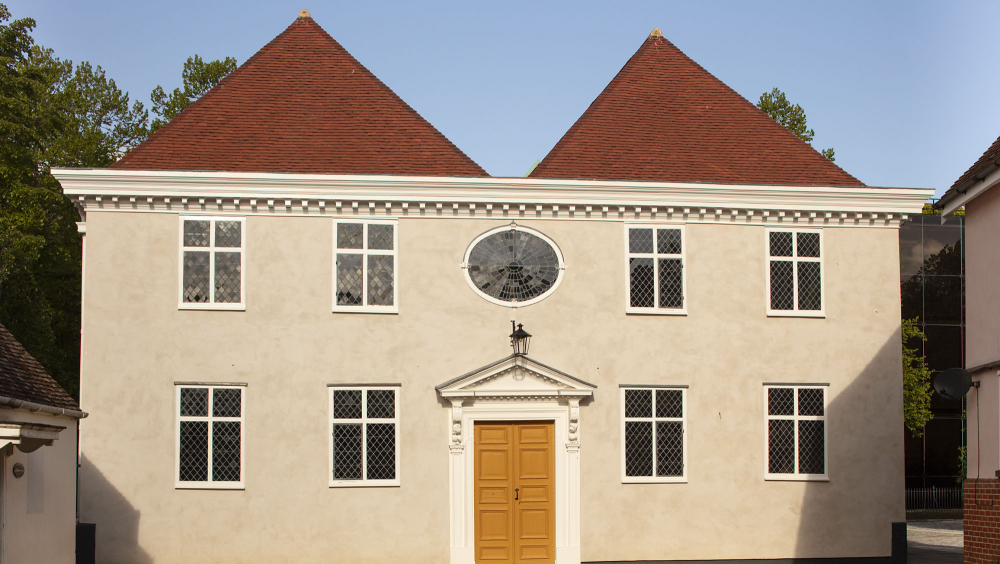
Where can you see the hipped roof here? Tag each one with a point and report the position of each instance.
(301, 104)
(987, 163)
(665, 118)
(23, 378)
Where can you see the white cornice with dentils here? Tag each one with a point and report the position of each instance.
(427, 196)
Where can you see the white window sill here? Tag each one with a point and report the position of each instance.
(364, 483)
(213, 307)
(796, 478)
(209, 486)
(650, 480)
(361, 309)
(780, 313)
(654, 311)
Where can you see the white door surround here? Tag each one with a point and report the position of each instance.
(516, 388)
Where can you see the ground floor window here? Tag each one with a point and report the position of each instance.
(653, 434)
(364, 438)
(210, 436)
(796, 432)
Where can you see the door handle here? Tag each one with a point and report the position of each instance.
(515, 494)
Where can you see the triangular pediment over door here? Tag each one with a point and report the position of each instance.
(515, 388)
(516, 377)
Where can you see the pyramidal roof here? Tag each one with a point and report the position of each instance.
(301, 104)
(665, 118)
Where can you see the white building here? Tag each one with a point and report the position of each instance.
(297, 302)
(38, 430)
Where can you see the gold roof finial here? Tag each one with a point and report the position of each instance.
(304, 14)
(656, 32)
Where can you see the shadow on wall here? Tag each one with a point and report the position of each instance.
(116, 519)
(865, 465)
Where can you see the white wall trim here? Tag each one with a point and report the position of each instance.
(462, 472)
(795, 259)
(415, 196)
(514, 389)
(656, 256)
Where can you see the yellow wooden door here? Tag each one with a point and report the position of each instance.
(515, 492)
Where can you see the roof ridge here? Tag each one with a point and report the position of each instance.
(180, 117)
(596, 103)
(392, 92)
(663, 116)
(351, 117)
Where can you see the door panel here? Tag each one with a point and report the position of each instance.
(515, 492)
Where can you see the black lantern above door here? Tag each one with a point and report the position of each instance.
(519, 339)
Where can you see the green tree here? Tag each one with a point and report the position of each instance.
(199, 77)
(33, 213)
(99, 125)
(916, 380)
(790, 116)
(51, 114)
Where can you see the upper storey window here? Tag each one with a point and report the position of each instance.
(513, 266)
(655, 255)
(795, 273)
(364, 273)
(212, 262)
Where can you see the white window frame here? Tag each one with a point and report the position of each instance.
(363, 421)
(656, 309)
(798, 477)
(795, 259)
(209, 484)
(365, 252)
(211, 249)
(683, 478)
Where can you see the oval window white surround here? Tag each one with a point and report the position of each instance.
(534, 253)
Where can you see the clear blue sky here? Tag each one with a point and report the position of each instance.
(904, 91)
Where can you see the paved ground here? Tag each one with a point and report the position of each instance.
(934, 542)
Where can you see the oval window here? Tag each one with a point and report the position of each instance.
(513, 265)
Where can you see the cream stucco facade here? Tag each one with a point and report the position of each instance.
(39, 501)
(287, 345)
(982, 267)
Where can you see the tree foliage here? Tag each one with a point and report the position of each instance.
(199, 77)
(53, 113)
(929, 209)
(790, 116)
(39, 247)
(916, 380)
(98, 125)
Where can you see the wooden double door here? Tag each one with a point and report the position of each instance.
(515, 492)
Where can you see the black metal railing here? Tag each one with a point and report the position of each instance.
(923, 499)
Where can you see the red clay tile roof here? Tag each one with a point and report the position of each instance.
(22, 378)
(985, 165)
(665, 118)
(301, 104)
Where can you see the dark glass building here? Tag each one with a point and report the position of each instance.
(932, 285)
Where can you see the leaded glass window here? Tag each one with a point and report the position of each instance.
(513, 265)
(796, 432)
(655, 255)
(212, 262)
(364, 439)
(364, 275)
(210, 436)
(795, 272)
(654, 422)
